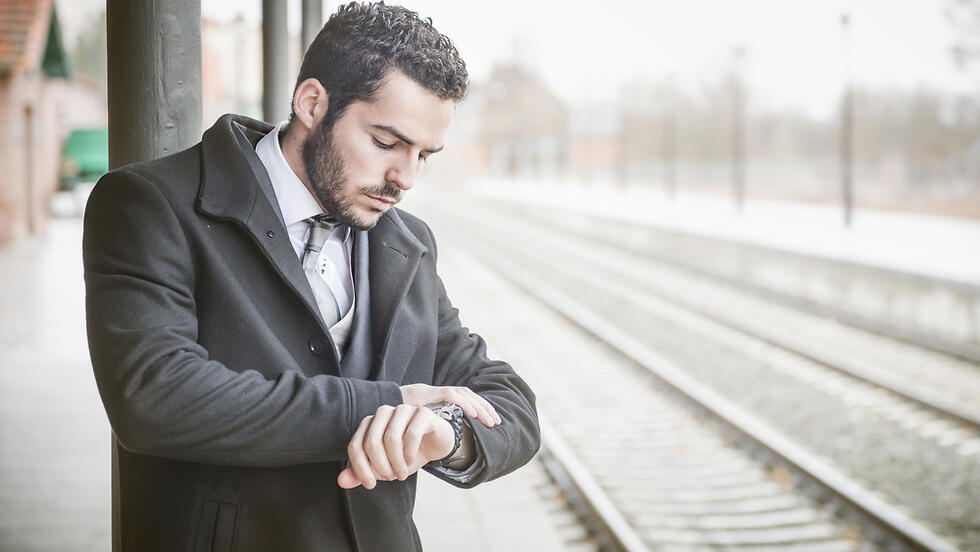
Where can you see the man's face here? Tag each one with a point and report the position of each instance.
(360, 167)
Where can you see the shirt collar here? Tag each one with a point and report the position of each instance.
(295, 200)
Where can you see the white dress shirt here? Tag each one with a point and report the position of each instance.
(297, 204)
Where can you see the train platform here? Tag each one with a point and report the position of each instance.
(54, 436)
(945, 248)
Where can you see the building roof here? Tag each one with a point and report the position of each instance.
(30, 38)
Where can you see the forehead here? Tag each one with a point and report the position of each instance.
(403, 104)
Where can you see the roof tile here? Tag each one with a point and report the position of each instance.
(23, 30)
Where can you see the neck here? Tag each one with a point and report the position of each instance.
(292, 150)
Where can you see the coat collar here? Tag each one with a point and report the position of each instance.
(229, 175)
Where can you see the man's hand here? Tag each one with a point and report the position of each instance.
(473, 405)
(394, 443)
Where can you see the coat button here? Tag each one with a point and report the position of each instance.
(271, 234)
(317, 346)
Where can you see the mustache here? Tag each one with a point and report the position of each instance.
(385, 191)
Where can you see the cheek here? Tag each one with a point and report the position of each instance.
(364, 166)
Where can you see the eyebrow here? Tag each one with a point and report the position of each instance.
(394, 132)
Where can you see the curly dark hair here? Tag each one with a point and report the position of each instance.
(359, 44)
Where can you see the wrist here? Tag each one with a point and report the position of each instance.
(453, 416)
(447, 440)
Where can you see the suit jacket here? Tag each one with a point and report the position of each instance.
(231, 411)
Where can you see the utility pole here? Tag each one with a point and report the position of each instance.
(847, 129)
(276, 89)
(670, 142)
(738, 128)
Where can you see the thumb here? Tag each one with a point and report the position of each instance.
(347, 479)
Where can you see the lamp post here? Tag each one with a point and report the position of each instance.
(847, 129)
(670, 141)
(738, 128)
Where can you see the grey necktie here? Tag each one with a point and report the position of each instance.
(320, 228)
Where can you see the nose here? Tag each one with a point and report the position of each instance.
(403, 174)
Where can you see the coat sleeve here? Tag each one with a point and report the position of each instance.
(162, 393)
(461, 360)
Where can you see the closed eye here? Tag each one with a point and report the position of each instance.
(383, 145)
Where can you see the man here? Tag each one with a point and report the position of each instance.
(275, 351)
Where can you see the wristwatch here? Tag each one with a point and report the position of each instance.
(454, 415)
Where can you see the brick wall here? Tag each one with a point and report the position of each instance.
(30, 145)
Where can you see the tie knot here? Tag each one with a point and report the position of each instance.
(321, 226)
(324, 220)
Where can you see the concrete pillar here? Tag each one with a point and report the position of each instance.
(154, 74)
(276, 85)
(312, 21)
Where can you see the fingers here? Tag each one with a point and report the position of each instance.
(476, 406)
(395, 449)
(360, 466)
(374, 446)
(414, 433)
(393, 444)
(347, 479)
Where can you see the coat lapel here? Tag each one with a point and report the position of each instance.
(232, 189)
(395, 255)
(359, 358)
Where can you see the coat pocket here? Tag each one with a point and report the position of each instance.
(216, 526)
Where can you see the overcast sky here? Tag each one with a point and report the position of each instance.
(794, 54)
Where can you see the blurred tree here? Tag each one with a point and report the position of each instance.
(918, 150)
(965, 17)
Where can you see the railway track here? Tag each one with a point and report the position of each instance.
(734, 267)
(690, 488)
(950, 386)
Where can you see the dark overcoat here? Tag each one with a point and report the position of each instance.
(230, 408)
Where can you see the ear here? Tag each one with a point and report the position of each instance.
(310, 103)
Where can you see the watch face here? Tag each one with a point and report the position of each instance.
(450, 411)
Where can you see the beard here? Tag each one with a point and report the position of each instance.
(327, 171)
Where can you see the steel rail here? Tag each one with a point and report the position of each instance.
(588, 499)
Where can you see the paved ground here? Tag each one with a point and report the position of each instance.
(54, 437)
(505, 515)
